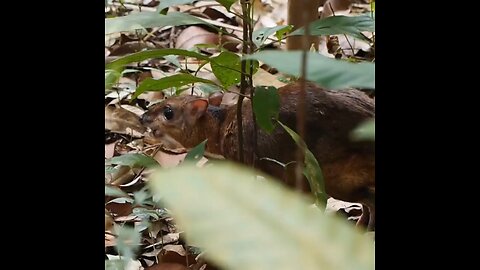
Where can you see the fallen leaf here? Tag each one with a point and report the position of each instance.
(120, 120)
(110, 150)
(194, 35)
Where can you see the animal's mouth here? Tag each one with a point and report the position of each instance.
(167, 142)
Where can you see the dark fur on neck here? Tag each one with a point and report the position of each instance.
(217, 113)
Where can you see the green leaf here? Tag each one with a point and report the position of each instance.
(128, 241)
(116, 264)
(176, 80)
(168, 3)
(266, 105)
(111, 78)
(141, 56)
(259, 36)
(133, 160)
(227, 68)
(209, 88)
(330, 73)
(365, 131)
(256, 224)
(173, 59)
(196, 153)
(114, 192)
(111, 169)
(226, 3)
(312, 170)
(140, 197)
(142, 20)
(335, 25)
(283, 31)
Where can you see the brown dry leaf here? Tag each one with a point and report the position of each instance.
(194, 35)
(167, 266)
(110, 150)
(170, 238)
(119, 209)
(263, 77)
(131, 47)
(110, 240)
(169, 160)
(120, 120)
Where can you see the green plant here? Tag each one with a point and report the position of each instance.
(241, 222)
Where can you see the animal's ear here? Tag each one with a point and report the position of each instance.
(195, 108)
(215, 99)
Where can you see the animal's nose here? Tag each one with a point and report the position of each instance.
(145, 119)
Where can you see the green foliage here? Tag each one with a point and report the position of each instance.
(226, 3)
(246, 223)
(335, 25)
(312, 170)
(259, 36)
(157, 53)
(144, 20)
(197, 152)
(266, 105)
(330, 73)
(168, 3)
(227, 68)
(114, 192)
(176, 80)
(128, 241)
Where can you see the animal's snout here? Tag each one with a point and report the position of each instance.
(145, 119)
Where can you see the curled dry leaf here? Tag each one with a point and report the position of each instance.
(120, 120)
(194, 35)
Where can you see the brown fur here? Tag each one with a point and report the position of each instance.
(348, 166)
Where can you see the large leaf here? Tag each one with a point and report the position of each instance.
(226, 3)
(340, 25)
(133, 160)
(144, 20)
(176, 80)
(330, 73)
(266, 105)
(312, 170)
(246, 223)
(227, 68)
(140, 56)
(168, 3)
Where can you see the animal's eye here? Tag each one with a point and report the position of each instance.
(168, 113)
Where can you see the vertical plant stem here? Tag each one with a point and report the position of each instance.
(301, 130)
(250, 83)
(243, 82)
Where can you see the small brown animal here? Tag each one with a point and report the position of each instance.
(348, 166)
